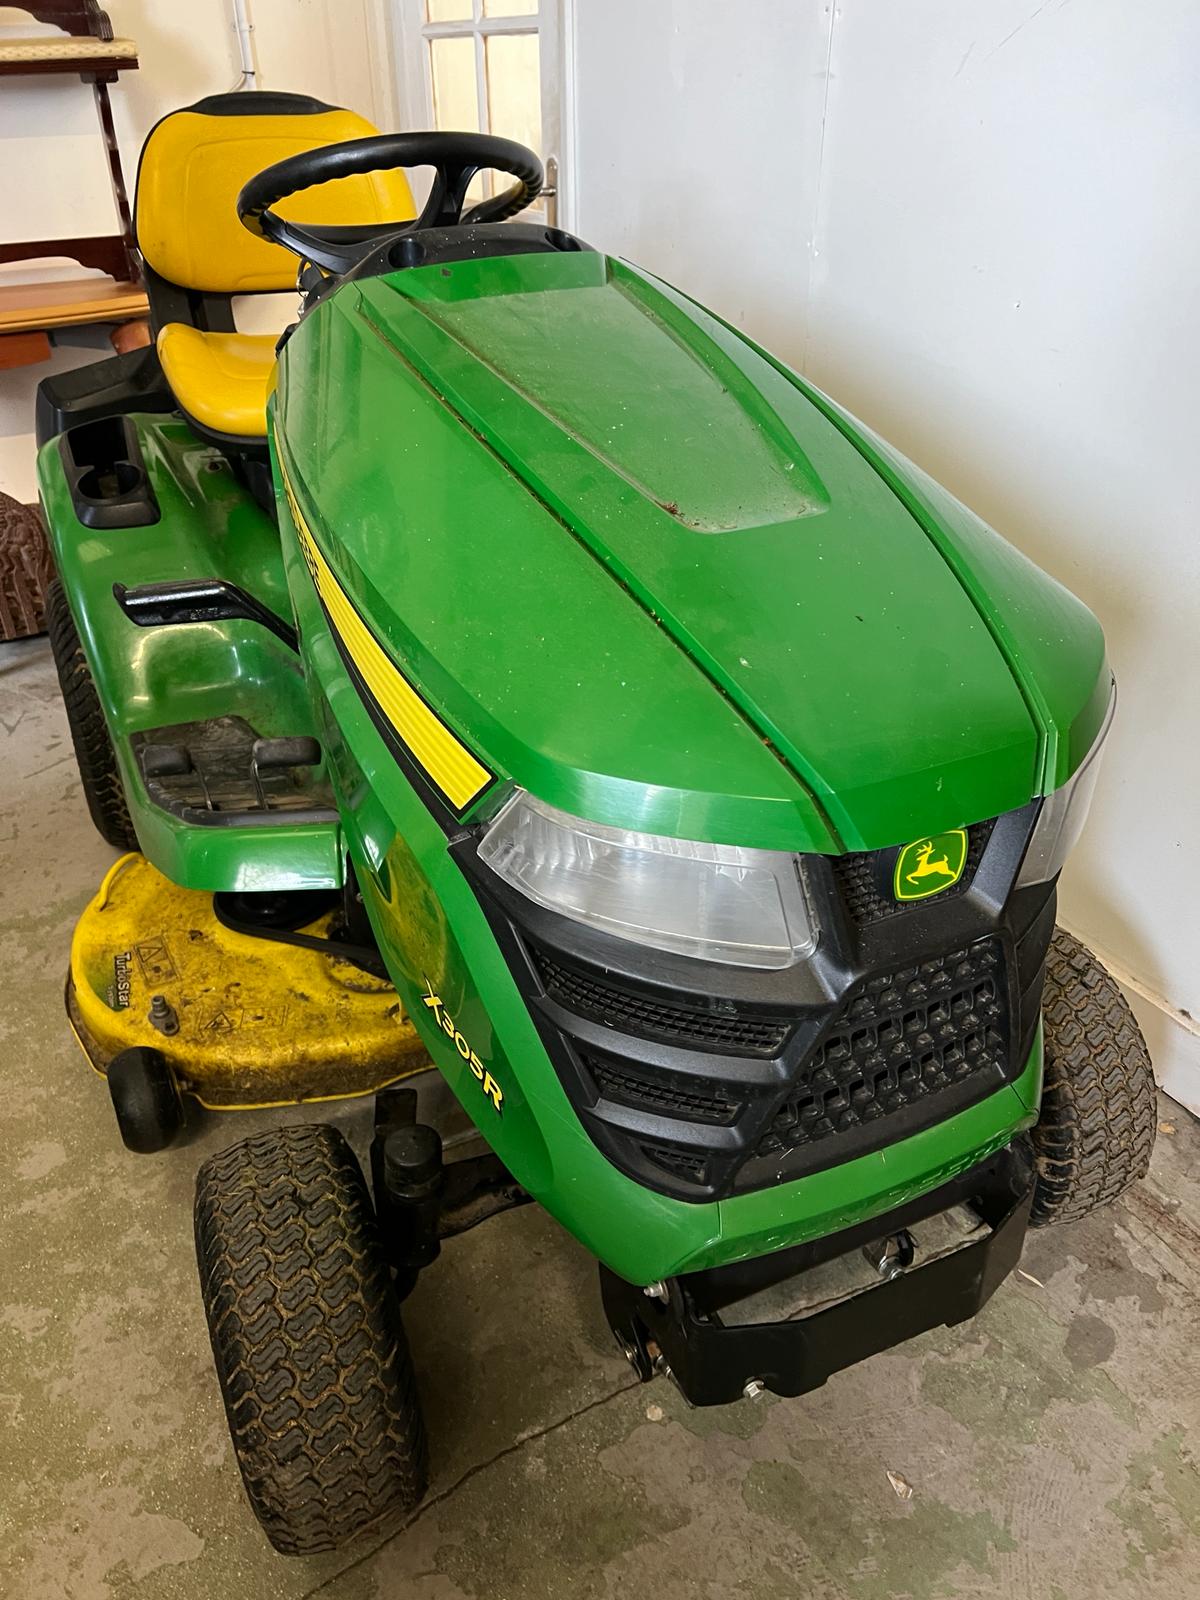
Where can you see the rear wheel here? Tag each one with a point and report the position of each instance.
(98, 771)
(314, 1368)
(1099, 1104)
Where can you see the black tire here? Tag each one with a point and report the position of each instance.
(310, 1351)
(1099, 1104)
(98, 771)
(146, 1099)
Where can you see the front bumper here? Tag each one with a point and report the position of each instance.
(680, 1331)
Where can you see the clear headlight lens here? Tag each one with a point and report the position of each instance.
(715, 901)
(1061, 819)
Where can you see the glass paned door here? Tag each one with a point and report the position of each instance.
(489, 66)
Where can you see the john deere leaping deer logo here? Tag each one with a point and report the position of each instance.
(931, 864)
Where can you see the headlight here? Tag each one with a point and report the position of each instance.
(1061, 819)
(715, 901)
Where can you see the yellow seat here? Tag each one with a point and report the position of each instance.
(220, 379)
(198, 255)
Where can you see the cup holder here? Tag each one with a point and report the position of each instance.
(113, 482)
(103, 465)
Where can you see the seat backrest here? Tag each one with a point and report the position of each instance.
(195, 161)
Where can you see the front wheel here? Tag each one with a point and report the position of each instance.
(314, 1368)
(1099, 1104)
(146, 1099)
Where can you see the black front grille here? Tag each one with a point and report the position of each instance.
(686, 1165)
(674, 1094)
(865, 879)
(889, 1030)
(906, 1035)
(629, 1010)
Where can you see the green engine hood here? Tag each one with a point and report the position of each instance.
(642, 570)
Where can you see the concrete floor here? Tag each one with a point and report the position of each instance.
(1051, 1446)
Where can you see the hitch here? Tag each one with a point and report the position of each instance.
(891, 1256)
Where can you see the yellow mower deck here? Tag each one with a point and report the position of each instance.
(260, 1023)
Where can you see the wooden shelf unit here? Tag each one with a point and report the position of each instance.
(88, 51)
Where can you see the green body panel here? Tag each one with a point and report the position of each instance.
(1050, 639)
(436, 939)
(783, 579)
(515, 634)
(1053, 644)
(157, 677)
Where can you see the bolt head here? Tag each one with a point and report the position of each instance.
(754, 1388)
(656, 1291)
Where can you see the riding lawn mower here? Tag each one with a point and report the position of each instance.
(515, 671)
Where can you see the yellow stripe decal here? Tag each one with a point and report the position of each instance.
(432, 746)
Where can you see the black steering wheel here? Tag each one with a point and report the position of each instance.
(455, 158)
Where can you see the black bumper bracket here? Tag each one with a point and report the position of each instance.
(677, 1328)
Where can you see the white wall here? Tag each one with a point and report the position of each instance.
(697, 134)
(53, 172)
(999, 196)
(1006, 288)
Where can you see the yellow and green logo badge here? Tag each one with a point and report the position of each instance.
(930, 865)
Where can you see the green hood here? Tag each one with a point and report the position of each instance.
(640, 569)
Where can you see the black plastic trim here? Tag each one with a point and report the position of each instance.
(690, 1159)
(233, 445)
(227, 760)
(713, 1360)
(162, 605)
(203, 309)
(259, 103)
(106, 475)
(480, 241)
(112, 388)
